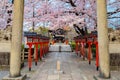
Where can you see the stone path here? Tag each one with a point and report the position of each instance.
(3, 73)
(72, 68)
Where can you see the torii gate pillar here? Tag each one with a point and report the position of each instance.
(17, 29)
(103, 39)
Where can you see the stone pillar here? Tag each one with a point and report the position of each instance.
(103, 39)
(17, 29)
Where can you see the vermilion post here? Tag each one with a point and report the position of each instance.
(36, 59)
(45, 49)
(53, 42)
(47, 46)
(80, 48)
(89, 52)
(30, 56)
(66, 41)
(83, 50)
(97, 57)
(41, 50)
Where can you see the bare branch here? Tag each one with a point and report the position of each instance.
(113, 17)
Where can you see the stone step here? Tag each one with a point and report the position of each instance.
(60, 47)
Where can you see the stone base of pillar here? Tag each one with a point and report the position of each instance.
(97, 77)
(22, 77)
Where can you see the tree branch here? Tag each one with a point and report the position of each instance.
(72, 3)
(113, 17)
(111, 13)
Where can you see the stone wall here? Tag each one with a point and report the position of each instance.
(4, 54)
(115, 61)
(114, 47)
(114, 50)
(5, 47)
(4, 58)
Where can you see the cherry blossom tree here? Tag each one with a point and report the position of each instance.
(60, 13)
(5, 13)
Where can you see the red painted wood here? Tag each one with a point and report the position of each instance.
(89, 51)
(36, 59)
(30, 55)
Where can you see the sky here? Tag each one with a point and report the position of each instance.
(116, 21)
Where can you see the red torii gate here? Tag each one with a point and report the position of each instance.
(37, 39)
(88, 39)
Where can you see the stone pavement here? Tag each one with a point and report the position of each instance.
(3, 73)
(72, 68)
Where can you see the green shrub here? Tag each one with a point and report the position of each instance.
(23, 46)
(94, 50)
(38, 46)
(72, 44)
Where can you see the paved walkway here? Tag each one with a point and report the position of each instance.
(72, 68)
